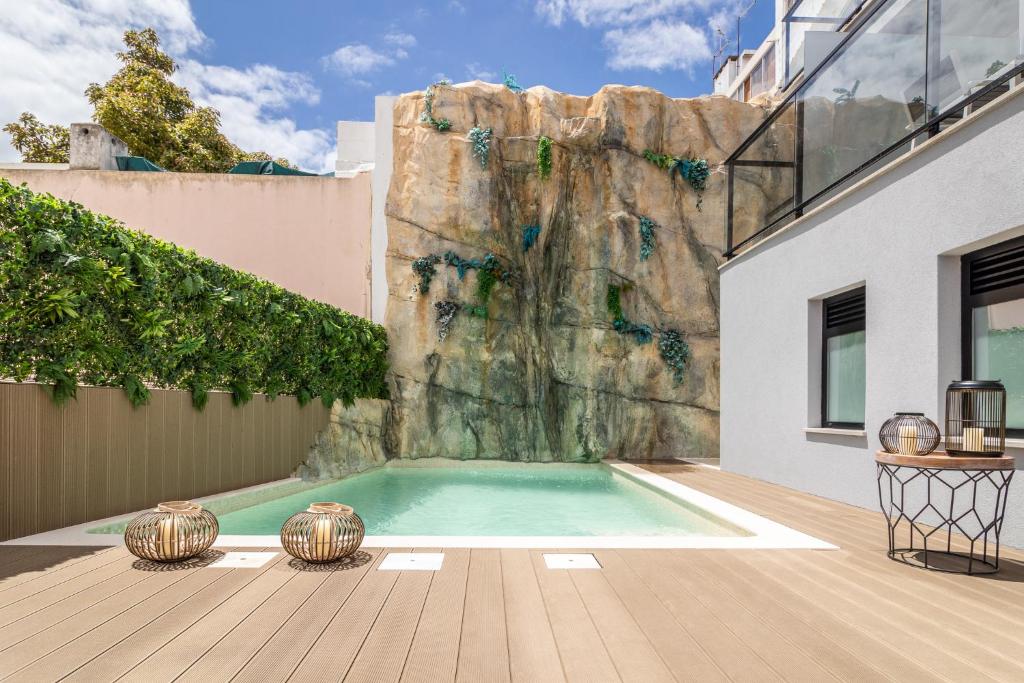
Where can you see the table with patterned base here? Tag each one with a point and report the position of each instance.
(932, 496)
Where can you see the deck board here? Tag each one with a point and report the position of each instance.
(702, 615)
(483, 647)
(532, 652)
(434, 653)
(280, 656)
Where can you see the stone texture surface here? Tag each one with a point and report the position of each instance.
(352, 442)
(545, 377)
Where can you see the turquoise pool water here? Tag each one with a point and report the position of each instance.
(493, 501)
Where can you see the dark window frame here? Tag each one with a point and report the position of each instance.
(968, 302)
(836, 331)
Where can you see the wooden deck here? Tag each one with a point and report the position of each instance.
(499, 615)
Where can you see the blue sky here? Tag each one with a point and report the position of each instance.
(282, 73)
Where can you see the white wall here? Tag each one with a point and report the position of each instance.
(901, 235)
(355, 148)
(383, 117)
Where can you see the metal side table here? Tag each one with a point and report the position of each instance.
(933, 496)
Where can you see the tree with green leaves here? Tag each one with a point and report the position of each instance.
(38, 142)
(154, 116)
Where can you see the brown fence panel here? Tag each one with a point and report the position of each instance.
(97, 456)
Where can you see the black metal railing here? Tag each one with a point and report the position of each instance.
(905, 71)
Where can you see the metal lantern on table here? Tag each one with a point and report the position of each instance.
(173, 531)
(976, 418)
(324, 532)
(909, 434)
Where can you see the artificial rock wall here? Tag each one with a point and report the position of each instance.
(545, 377)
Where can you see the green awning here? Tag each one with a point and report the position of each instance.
(137, 164)
(266, 168)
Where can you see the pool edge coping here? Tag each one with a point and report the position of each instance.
(767, 534)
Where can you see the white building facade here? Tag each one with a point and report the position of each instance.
(896, 210)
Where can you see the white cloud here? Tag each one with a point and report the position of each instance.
(657, 46)
(400, 39)
(355, 59)
(456, 7)
(52, 49)
(615, 12)
(251, 101)
(646, 34)
(475, 71)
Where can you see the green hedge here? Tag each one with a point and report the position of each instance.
(83, 300)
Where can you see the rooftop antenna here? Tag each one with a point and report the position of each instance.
(722, 40)
(739, 16)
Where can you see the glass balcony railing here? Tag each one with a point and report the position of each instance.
(906, 70)
(817, 17)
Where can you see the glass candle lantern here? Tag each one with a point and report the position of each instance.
(909, 434)
(976, 418)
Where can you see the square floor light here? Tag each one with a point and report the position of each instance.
(243, 560)
(412, 562)
(571, 561)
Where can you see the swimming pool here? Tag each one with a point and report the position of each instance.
(441, 503)
(538, 500)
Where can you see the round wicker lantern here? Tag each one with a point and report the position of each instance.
(909, 434)
(173, 531)
(325, 532)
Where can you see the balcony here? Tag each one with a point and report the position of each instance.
(905, 71)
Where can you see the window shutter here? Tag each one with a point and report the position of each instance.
(998, 271)
(845, 310)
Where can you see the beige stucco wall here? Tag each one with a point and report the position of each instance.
(310, 235)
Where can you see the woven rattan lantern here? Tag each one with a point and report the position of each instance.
(976, 418)
(909, 434)
(325, 532)
(173, 531)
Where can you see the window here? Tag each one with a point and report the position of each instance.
(993, 323)
(843, 361)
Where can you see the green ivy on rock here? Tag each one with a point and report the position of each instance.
(544, 157)
(675, 352)
(481, 139)
(510, 82)
(84, 300)
(530, 235)
(446, 311)
(693, 170)
(647, 242)
(428, 107)
(641, 333)
(424, 267)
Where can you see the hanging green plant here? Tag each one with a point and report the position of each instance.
(693, 170)
(424, 267)
(640, 332)
(511, 83)
(446, 311)
(489, 263)
(647, 243)
(544, 157)
(614, 301)
(428, 107)
(675, 352)
(481, 139)
(530, 235)
(485, 281)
